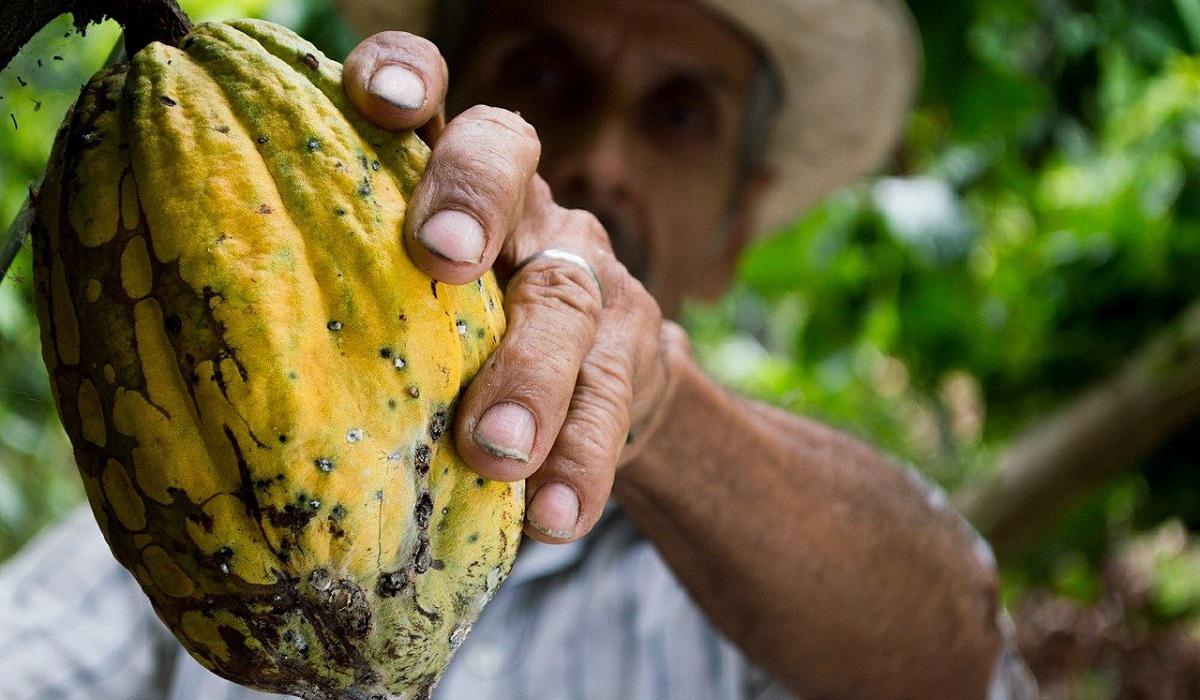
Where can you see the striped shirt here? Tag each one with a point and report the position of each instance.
(603, 617)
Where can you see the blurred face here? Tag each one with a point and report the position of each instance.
(639, 105)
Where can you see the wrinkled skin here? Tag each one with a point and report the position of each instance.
(818, 557)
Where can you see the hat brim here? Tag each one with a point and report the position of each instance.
(848, 71)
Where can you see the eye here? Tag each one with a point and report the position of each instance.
(538, 69)
(683, 110)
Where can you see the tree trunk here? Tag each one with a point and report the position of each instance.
(1096, 436)
(144, 21)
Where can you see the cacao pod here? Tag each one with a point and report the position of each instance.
(257, 381)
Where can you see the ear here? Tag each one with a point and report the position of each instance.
(743, 222)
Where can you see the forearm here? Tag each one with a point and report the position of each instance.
(815, 555)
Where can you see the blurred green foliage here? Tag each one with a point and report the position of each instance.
(1041, 220)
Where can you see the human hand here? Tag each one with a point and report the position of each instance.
(582, 363)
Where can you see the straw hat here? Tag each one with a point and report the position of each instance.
(848, 70)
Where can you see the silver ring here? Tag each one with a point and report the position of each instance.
(564, 256)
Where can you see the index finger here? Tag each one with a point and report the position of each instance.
(396, 80)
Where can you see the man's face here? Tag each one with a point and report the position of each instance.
(639, 105)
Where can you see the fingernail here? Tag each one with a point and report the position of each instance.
(453, 235)
(555, 510)
(397, 86)
(506, 431)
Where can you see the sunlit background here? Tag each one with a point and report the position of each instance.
(1037, 237)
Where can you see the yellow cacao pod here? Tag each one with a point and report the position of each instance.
(257, 381)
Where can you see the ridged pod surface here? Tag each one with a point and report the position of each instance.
(257, 381)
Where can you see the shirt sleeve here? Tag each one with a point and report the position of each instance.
(74, 624)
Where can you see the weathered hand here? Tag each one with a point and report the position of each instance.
(581, 364)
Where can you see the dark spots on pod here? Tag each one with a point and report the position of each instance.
(336, 514)
(222, 129)
(173, 324)
(167, 101)
(279, 476)
(433, 287)
(479, 333)
(262, 484)
(437, 564)
(339, 211)
(423, 510)
(391, 404)
(479, 481)
(311, 61)
(461, 327)
(334, 326)
(312, 144)
(282, 439)
(375, 165)
(265, 209)
(437, 425)
(262, 139)
(364, 188)
(221, 559)
(479, 284)
(473, 538)
(413, 391)
(293, 376)
(421, 459)
(362, 160)
(391, 583)
(385, 353)
(221, 238)
(294, 516)
(445, 471)
(297, 641)
(403, 318)
(323, 464)
(422, 558)
(445, 509)
(344, 601)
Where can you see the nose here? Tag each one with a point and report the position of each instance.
(592, 170)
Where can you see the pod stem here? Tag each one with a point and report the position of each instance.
(145, 21)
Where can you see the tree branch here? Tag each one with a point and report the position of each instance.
(145, 21)
(1096, 436)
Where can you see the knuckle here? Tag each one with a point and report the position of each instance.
(604, 377)
(457, 177)
(530, 358)
(560, 288)
(594, 433)
(588, 228)
(505, 119)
